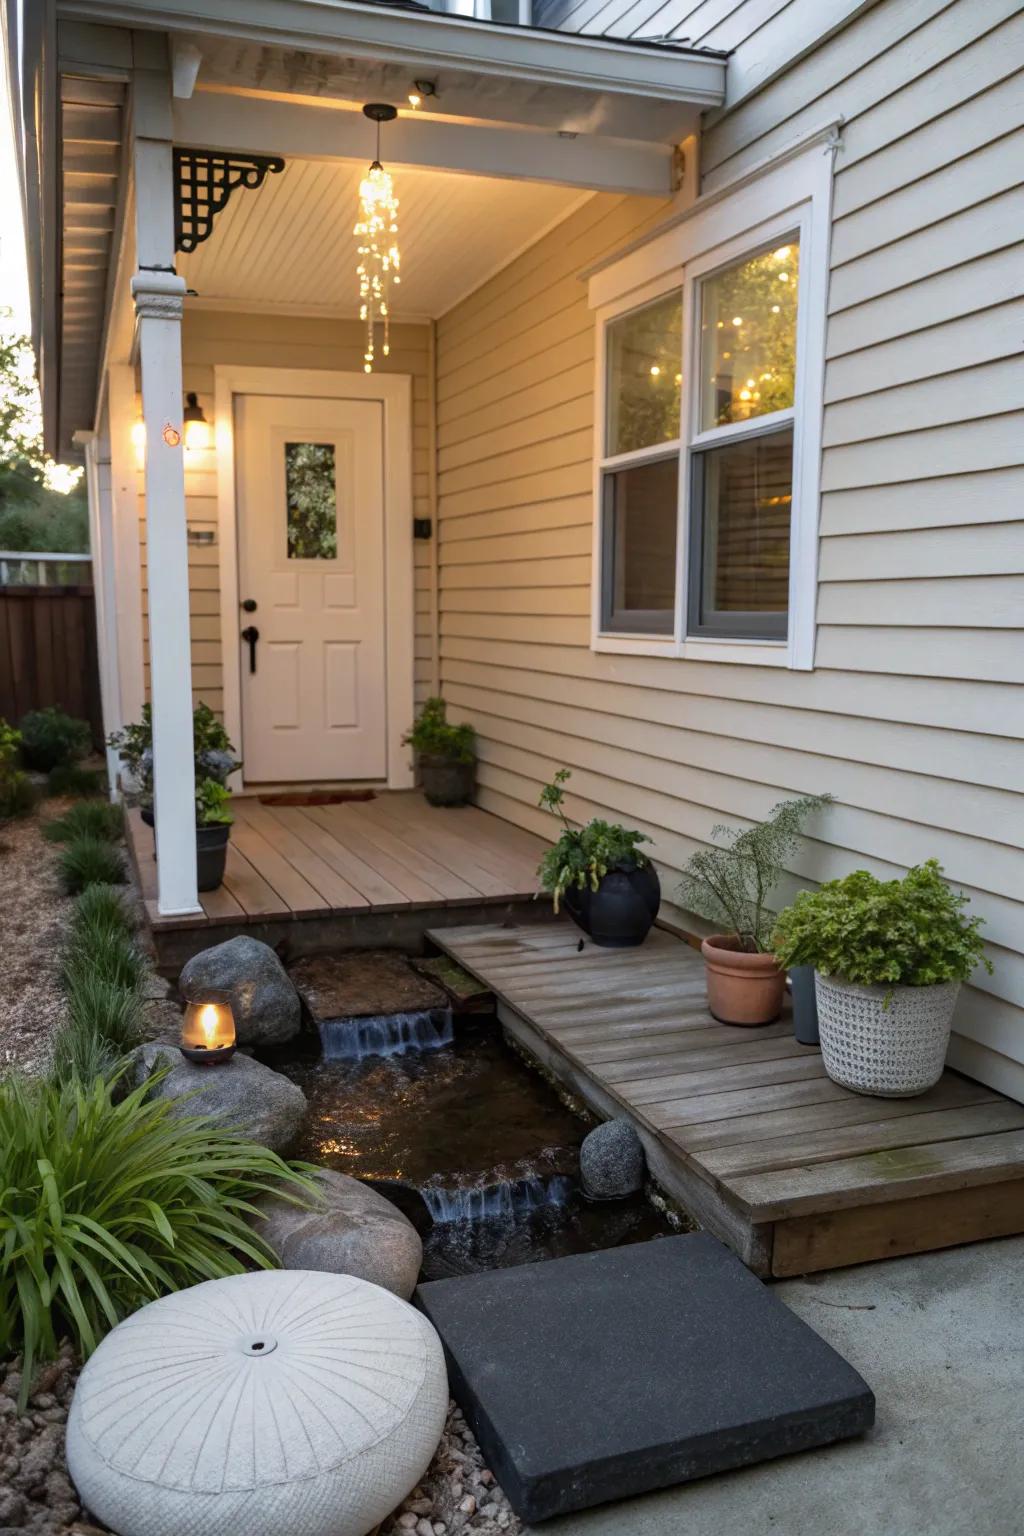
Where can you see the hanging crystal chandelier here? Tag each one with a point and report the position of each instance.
(377, 232)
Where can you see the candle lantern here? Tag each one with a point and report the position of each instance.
(208, 1030)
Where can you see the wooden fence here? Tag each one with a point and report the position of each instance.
(48, 653)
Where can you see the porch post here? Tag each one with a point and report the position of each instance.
(159, 295)
(97, 480)
(124, 489)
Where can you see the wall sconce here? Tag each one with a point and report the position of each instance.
(208, 1032)
(198, 433)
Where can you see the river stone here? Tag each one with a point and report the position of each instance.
(612, 1161)
(263, 1000)
(241, 1093)
(363, 984)
(262, 1404)
(353, 1231)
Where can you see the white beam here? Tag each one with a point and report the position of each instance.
(97, 486)
(127, 560)
(159, 295)
(265, 125)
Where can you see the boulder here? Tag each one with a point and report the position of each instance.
(352, 1231)
(242, 1094)
(612, 1161)
(264, 1002)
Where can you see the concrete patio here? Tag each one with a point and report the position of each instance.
(941, 1341)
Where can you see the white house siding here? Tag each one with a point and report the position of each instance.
(914, 716)
(212, 338)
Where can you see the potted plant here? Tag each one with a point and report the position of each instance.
(730, 884)
(608, 887)
(888, 957)
(214, 762)
(445, 755)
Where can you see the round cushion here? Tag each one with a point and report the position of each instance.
(280, 1401)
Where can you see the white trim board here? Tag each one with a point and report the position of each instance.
(795, 194)
(394, 390)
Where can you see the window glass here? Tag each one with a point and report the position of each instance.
(644, 376)
(640, 519)
(748, 337)
(311, 499)
(742, 497)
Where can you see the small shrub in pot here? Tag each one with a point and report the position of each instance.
(889, 957)
(608, 887)
(730, 884)
(445, 755)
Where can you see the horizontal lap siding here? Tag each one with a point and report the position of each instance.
(914, 716)
(223, 338)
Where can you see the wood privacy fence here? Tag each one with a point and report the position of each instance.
(48, 653)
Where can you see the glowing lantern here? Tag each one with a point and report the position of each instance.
(208, 1032)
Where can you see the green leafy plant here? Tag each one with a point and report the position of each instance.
(213, 804)
(107, 1203)
(52, 739)
(90, 861)
(730, 884)
(88, 818)
(909, 933)
(213, 758)
(433, 736)
(134, 744)
(17, 792)
(10, 744)
(582, 856)
(72, 779)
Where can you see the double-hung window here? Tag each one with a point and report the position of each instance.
(710, 371)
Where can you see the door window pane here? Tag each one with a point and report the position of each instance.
(742, 497)
(644, 376)
(748, 337)
(311, 498)
(640, 516)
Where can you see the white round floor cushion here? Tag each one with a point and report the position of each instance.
(280, 1403)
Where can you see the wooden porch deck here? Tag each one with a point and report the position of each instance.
(353, 874)
(744, 1126)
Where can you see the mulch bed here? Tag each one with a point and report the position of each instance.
(34, 915)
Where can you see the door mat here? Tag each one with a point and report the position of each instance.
(608, 1374)
(317, 796)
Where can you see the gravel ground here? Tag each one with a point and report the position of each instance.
(33, 917)
(457, 1494)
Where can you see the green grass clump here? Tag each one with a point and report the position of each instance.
(102, 970)
(100, 910)
(103, 956)
(97, 819)
(17, 794)
(105, 1205)
(71, 779)
(90, 861)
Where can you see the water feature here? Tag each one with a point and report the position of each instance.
(475, 1146)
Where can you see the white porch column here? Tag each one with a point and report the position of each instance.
(127, 563)
(97, 480)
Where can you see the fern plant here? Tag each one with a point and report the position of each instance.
(107, 1203)
(730, 883)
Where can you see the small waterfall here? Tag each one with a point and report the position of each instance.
(506, 1200)
(386, 1034)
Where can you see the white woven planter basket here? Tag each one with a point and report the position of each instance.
(895, 1051)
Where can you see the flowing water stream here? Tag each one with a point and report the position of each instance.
(476, 1148)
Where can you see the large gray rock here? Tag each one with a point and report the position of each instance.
(264, 1002)
(241, 1093)
(352, 1231)
(612, 1161)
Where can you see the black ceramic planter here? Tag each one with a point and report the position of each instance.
(619, 914)
(211, 855)
(805, 1005)
(446, 781)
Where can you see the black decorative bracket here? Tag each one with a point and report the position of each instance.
(205, 180)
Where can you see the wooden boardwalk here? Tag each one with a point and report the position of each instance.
(743, 1125)
(360, 861)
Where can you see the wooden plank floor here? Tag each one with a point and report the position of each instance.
(795, 1172)
(389, 854)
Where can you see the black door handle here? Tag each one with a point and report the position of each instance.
(251, 634)
(249, 605)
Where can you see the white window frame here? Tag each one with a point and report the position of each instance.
(792, 196)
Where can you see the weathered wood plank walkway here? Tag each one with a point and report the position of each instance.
(360, 872)
(743, 1125)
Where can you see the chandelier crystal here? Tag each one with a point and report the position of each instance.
(377, 233)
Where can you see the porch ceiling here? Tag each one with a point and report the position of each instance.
(289, 246)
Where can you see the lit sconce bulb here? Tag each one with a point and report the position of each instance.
(655, 371)
(737, 319)
(198, 433)
(415, 100)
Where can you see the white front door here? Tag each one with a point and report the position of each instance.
(310, 495)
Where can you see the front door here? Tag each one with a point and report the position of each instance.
(310, 498)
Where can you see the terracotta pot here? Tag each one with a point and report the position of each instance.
(743, 988)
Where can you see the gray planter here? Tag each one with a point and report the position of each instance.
(446, 781)
(805, 1004)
